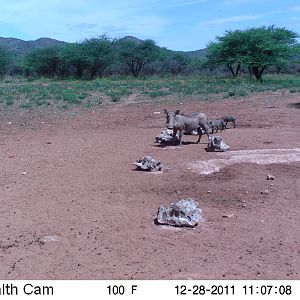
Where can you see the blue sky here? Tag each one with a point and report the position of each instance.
(178, 25)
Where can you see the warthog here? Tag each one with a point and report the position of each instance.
(215, 125)
(229, 119)
(179, 122)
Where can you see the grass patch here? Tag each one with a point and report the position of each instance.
(69, 93)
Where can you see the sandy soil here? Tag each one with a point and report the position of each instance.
(72, 205)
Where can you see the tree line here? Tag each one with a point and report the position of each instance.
(254, 50)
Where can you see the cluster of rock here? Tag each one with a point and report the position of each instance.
(216, 144)
(147, 163)
(166, 138)
(185, 212)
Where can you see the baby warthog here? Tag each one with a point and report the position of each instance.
(215, 125)
(179, 122)
(229, 119)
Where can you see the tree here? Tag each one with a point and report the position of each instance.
(177, 63)
(72, 59)
(88, 58)
(227, 51)
(43, 62)
(268, 46)
(5, 60)
(136, 54)
(98, 55)
(256, 48)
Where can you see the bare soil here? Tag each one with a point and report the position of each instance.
(72, 205)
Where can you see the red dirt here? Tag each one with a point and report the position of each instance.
(74, 207)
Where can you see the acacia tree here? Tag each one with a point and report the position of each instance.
(227, 51)
(98, 55)
(72, 60)
(267, 46)
(88, 58)
(44, 62)
(136, 54)
(5, 60)
(256, 48)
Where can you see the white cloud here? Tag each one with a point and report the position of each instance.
(232, 19)
(248, 17)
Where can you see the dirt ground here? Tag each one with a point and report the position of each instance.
(72, 205)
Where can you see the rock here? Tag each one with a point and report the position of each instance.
(148, 164)
(270, 177)
(228, 216)
(265, 192)
(166, 138)
(183, 213)
(48, 238)
(216, 144)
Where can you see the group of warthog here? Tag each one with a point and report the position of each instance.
(195, 122)
(185, 212)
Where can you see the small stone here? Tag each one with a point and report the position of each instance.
(23, 173)
(270, 177)
(244, 205)
(49, 238)
(208, 192)
(228, 216)
(265, 192)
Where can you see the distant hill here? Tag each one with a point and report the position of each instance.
(21, 48)
(195, 54)
(131, 38)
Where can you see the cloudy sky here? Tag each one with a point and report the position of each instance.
(176, 24)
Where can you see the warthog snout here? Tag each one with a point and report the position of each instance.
(170, 118)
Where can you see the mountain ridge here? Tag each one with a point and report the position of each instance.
(21, 47)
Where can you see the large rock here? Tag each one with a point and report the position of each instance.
(166, 138)
(216, 144)
(148, 164)
(182, 213)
